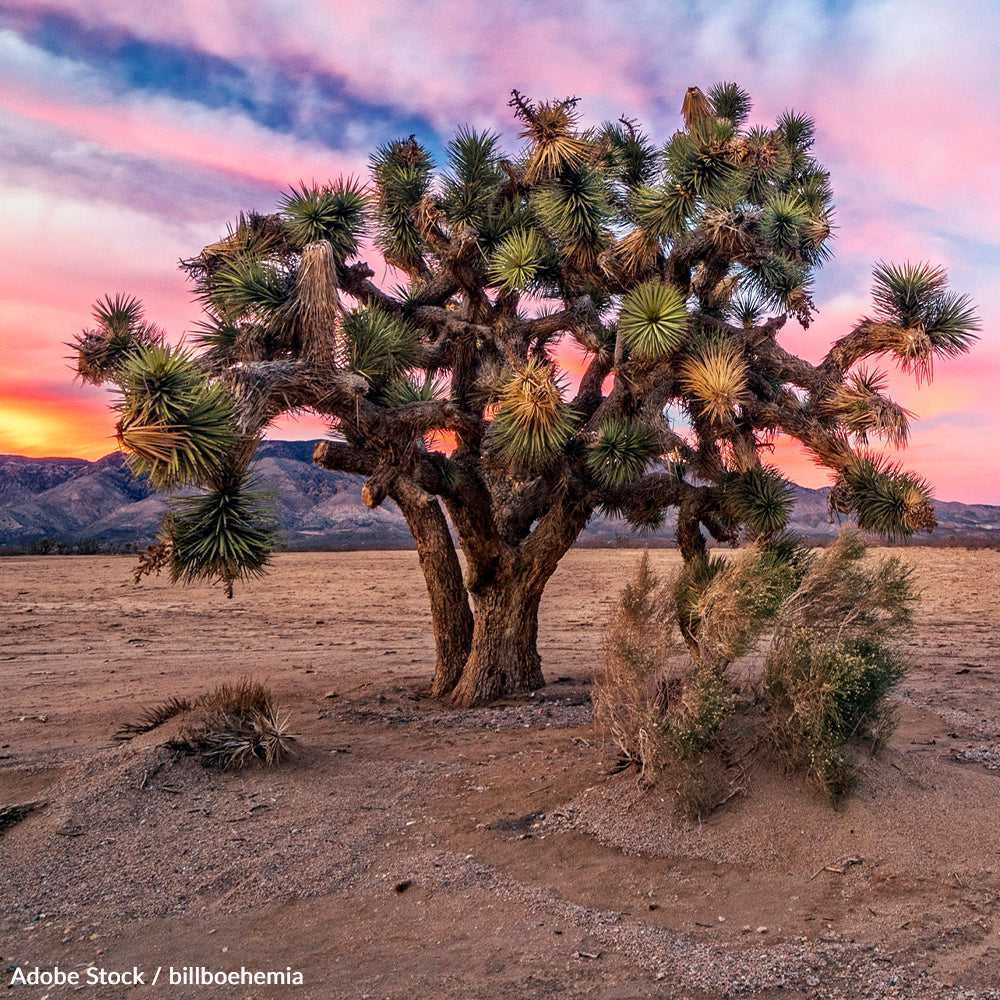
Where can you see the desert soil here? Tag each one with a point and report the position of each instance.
(410, 851)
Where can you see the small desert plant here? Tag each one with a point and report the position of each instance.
(822, 695)
(833, 662)
(229, 727)
(725, 605)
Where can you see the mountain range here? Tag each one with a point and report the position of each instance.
(71, 500)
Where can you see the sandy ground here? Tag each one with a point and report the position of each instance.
(409, 851)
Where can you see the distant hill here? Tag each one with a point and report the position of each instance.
(69, 499)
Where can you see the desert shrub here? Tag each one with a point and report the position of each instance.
(228, 727)
(692, 718)
(725, 605)
(654, 709)
(665, 692)
(833, 662)
(823, 695)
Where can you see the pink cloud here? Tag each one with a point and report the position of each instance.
(170, 130)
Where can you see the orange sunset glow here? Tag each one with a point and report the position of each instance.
(47, 428)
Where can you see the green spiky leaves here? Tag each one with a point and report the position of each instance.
(118, 315)
(402, 171)
(475, 173)
(653, 320)
(247, 287)
(518, 260)
(333, 213)
(121, 329)
(408, 389)
(664, 212)
(631, 156)
(223, 534)
(532, 422)
(760, 499)
(731, 101)
(701, 163)
(174, 424)
(379, 347)
(797, 130)
(574, 209)
(934, 321)
(783, 221)
(884, 498)
(622, 451)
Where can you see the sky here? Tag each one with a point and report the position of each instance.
(133, 131)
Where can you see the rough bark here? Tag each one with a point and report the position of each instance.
(504, 657)
(506, 592)
(451, 615)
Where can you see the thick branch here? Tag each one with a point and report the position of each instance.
(590, 396)
(580, 319)
(343, 457)
(450, 322)
(868, 337)
(354, 281)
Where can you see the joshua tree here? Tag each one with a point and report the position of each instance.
(672, 268)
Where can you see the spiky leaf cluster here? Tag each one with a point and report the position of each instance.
(630, 156)
(173, 424)
(622, 451)
(379, 347)
(701, 163)
(223, 534)
(249, 287)
(935, 321)
(532, 421)
(120, 330)
(402, 171)
(862, 408)
(474, 173)
(715, 379)
(884, 498)
(730, 101)
(334, 213)
(555, 145)
(760, 499)
(519, 260)
(653, 320)
(574, 208)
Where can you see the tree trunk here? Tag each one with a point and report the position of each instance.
(451, 615)
(505, 584)
(504, 659)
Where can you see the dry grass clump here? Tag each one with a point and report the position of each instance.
(630, 691)
(228, 727)
(666, 698)
(660, 705)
